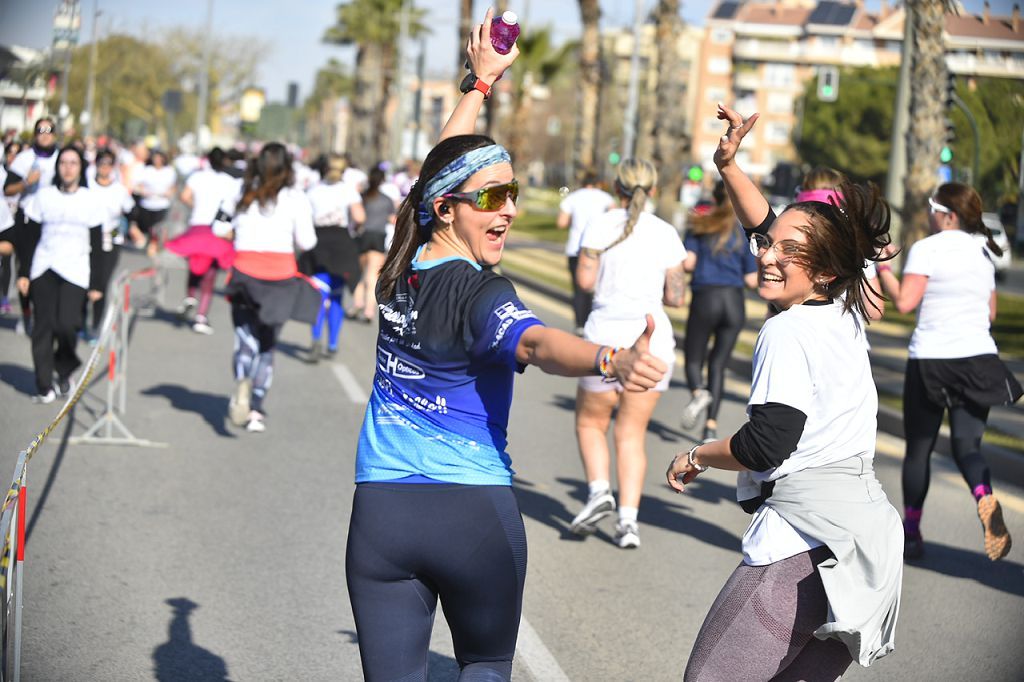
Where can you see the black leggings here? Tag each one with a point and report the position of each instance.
(921, 421)
(582, 301)
(719, 311)
(409, 544)
(58, 304)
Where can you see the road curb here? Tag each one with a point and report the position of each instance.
(1005, 463)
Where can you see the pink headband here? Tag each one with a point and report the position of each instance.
(822, 195)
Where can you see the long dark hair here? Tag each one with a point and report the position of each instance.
(267, 174)
(70, 149)
(965, 202)
(841, 238)
(373, 182)
(217, 159)
(408, 235)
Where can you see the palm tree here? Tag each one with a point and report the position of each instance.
(373, 27)
(539, 63)
(585, 144)
(670, 140)
(465, 26)
(926, 131)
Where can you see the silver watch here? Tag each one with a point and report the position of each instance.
(692, 462)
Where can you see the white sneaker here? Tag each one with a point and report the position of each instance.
(238, 406)
(45, 398)
(202, 325)
(691, 413)
(255, 423)
(597, 507)
(187, 305)
(627, 534)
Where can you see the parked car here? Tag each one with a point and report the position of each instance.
(1002, 262)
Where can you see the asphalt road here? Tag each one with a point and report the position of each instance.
(221, 556)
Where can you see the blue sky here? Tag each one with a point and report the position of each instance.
(293, 29)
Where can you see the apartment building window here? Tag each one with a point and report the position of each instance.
(779, 75)
(715, 94)
(780, 103)
(777, 133)
(713, 125)
(828, 42)
(719, 65)
(721, 36)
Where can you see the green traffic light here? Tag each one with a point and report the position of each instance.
(614, 158)
(946, 155)
(826, 91)
(695, 174)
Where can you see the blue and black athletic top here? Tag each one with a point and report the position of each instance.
(443, 386)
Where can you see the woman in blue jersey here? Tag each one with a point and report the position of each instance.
(434, 515)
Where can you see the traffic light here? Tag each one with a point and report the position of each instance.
(695, 173)
(614, 158)
(950, 90)
(828, 84)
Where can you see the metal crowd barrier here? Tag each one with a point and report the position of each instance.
(112, 343)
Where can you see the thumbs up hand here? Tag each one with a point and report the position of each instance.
(635, 368)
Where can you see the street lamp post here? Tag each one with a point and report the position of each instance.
(204, 77)
(90, 91)
(629, 125)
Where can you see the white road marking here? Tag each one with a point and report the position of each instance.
(535, 657)
(348, 382)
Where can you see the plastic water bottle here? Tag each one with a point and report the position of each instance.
(504, 31)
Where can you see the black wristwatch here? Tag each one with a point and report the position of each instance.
(471, 82)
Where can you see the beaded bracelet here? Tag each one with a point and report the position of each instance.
(604, 365)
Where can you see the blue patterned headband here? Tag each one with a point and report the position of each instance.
(454, 174)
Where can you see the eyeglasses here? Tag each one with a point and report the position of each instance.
(785, 250)
(488, 198)
(43, 130)
(935, 207)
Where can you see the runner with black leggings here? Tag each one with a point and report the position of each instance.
(722, 265)
(434, 515)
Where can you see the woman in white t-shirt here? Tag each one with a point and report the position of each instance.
(60, 269)
(116, 204)
(822, 554)
(954, 363)
(574, 213)
(272, 220)
(632, 261)
(206, 192)
(155, 185)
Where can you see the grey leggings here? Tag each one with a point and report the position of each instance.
(762, 623)
(254, 351)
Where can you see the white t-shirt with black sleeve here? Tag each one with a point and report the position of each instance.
(631, 280)
(810, 358)
(583, 205)
(65, 241)
(952, 321)
(211, 191)
(28, 160)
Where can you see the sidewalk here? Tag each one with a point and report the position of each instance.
(542, 266)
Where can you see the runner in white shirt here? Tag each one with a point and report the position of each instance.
(208, 192)
(822, 554)
(633, 263)
(116, 205)
(574, 213)
(272, 220)
(954, 364)
(62, 246)
(155, 184)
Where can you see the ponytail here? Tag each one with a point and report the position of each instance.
(637, 201)
(634, 181)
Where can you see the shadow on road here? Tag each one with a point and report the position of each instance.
(971, 565)
(179, 658)
(51, 477)
(21, 379)
(212, 407)
(653, 511)
(440, 668)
